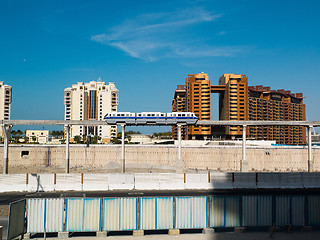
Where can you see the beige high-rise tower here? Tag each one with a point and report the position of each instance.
(5, 102)
(91, 101)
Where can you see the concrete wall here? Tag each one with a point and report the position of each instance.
(153, 158)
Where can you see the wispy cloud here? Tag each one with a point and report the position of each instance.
(164, 35)
(221, 33)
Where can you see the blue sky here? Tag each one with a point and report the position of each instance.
(149, 47)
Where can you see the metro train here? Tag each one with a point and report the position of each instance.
(145, 118)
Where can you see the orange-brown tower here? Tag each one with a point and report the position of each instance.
(179, 105)
(198, 100)
(277, 105)
(233, 102)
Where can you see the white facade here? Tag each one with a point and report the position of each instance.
(5, 102)
(40, 136)
(91, 101)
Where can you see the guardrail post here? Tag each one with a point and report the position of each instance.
(67, 129)
(123, 149)
(244, 163)
(310, 161)
(6, 131)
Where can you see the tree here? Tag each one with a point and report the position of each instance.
(34, 139)
(77, 139)
(95, 139)
(115, 141)
(13, 133)
(162, 135)
(55, 133)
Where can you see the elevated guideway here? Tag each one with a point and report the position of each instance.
(7, 126)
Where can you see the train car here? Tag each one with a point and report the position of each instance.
(120, 117)
(150, 118)
(181, 117)
(145, 118)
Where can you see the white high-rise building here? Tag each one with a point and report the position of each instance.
(5, 102)
(91, 101)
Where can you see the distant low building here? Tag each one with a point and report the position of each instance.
(38, 136)
(55, 140)
(315, 137)
(140, 139)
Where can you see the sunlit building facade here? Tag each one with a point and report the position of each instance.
(239, 102)
(198, 101)
(91, 101)
(5, 102)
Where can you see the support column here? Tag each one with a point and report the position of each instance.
(244, 163)
(123, 149)
(67, 129)
(179, 162)
(310, 160)
(6, 130)
(179, 142)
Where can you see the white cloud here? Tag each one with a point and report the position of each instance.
(221, 33)
(164, 35)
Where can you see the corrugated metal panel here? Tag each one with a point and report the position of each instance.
(16, 219)
(164, 213)
(282, 210)
(264, 210)
(35, 215)
(74, 214)
(156, 213)
(297, 211)
(147, 213)
(92, 213)
(314, 210)
(83, 214)
(249, 211)
(257, 211)
(119, 214)
(232, 212)
(216, 205)
(190, 212)
(54, 214)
